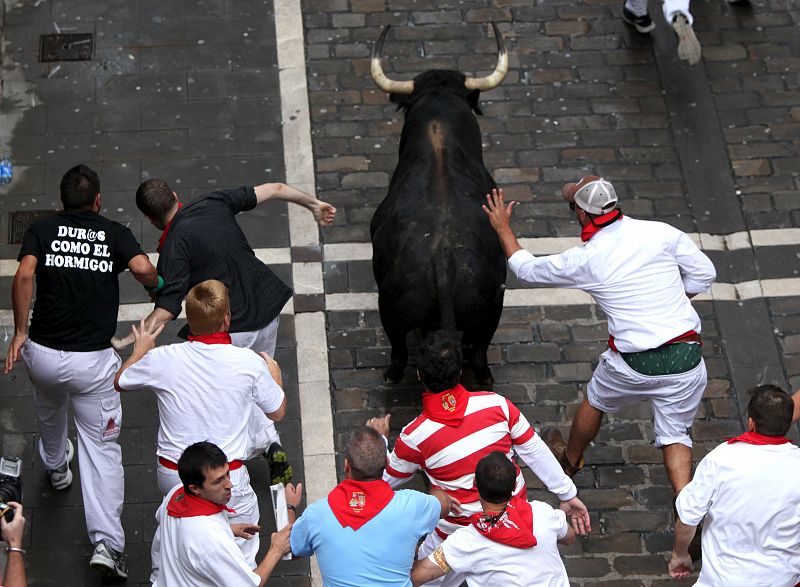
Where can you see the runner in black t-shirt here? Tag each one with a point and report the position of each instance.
(77, 256)
(201, 241)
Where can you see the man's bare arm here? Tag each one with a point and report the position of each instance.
(21, 294)
(323, 212)
(279, 546)
(143, 270)
(424, 570)
(145, 339)
(156, 318)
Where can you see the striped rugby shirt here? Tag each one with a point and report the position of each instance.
(448, 454)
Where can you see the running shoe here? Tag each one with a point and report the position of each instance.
(61, 478)
(109, 561)
(643, 23)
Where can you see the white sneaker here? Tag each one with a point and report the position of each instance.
(688, 46)
(109, 561)
(61, 478)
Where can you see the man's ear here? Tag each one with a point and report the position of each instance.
(194, 489)
(347, 467)
(98, 201)
(751, 425)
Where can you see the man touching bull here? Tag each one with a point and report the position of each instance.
(642, 274)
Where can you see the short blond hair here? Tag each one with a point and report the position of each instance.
(207, 304)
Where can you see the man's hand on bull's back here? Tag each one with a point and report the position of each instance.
(499, 214)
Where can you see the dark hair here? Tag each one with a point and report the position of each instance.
(439, 361)
(366, 453)
(196, 460)
(155, 199)
(79, 187)
(771, 409)
(495, 477)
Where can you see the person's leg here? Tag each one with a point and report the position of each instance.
(678, 462)
(245, 502)
(634, 12)
(98, 418)
(50, 398)
(166, 478)
(584, 429)
(674, 7)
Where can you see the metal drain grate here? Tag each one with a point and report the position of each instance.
(75, 47)
(20, 220)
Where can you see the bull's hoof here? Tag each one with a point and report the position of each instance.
(393, 375)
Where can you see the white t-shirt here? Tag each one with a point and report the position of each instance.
(199, 552)
(638, 272)
(483, 562)
(750, 498)
(204, 392)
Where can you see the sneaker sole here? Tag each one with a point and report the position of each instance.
(64, 483)
(109, 570)
(638, 27)
(689, 49)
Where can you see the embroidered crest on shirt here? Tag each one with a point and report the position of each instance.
(449, 402)
(358, 500)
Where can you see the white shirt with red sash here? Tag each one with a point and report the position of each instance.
(749, 494)
(499, 554)
(638, 272)
(456, 429)
(197, 546)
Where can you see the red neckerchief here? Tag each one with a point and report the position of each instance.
(186, 505)
(216, 338)
(446, 407)
(354, 503)
(758, 439)
(513, 527)
(595, 224)
(162, 239)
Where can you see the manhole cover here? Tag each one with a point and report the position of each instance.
(77, 47)
(19, 221)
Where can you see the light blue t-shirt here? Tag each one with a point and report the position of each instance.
(381, 552)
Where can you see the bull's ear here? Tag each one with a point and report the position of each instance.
(472, 100)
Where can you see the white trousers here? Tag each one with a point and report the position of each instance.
(243, 500)
(86, 381)
(671, 8)
(431, 542)
(261, 429)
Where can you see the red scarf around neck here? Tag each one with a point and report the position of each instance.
(354, 503)
(446, 407)
(216, 338)
(758, 439)
(599, 223)
(186, 505)
(514, 527)
(163, 238)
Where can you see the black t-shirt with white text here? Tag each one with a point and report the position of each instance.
(80, 255)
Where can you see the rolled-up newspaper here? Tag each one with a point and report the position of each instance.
(278, 494)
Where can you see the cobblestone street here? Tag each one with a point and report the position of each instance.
(212, 93)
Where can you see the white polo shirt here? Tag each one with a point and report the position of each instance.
(199, 552)
(483, 562)
(205, 392)
(638, 272)
(750, 498)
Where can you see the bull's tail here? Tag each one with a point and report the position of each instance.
(444, 277)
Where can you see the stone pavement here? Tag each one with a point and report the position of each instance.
(190, 90)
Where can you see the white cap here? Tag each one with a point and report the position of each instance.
(593, 194)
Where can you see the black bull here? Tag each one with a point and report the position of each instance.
(437, 261)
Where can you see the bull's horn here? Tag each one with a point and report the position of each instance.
(387, 85)
(496, 78)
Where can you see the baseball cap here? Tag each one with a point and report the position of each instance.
(593, 194)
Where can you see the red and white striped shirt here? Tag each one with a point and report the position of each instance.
(449, 453)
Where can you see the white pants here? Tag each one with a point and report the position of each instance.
(261, 429)
(671, 8)
(673, 398)
(243, 500)
(86, 381)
